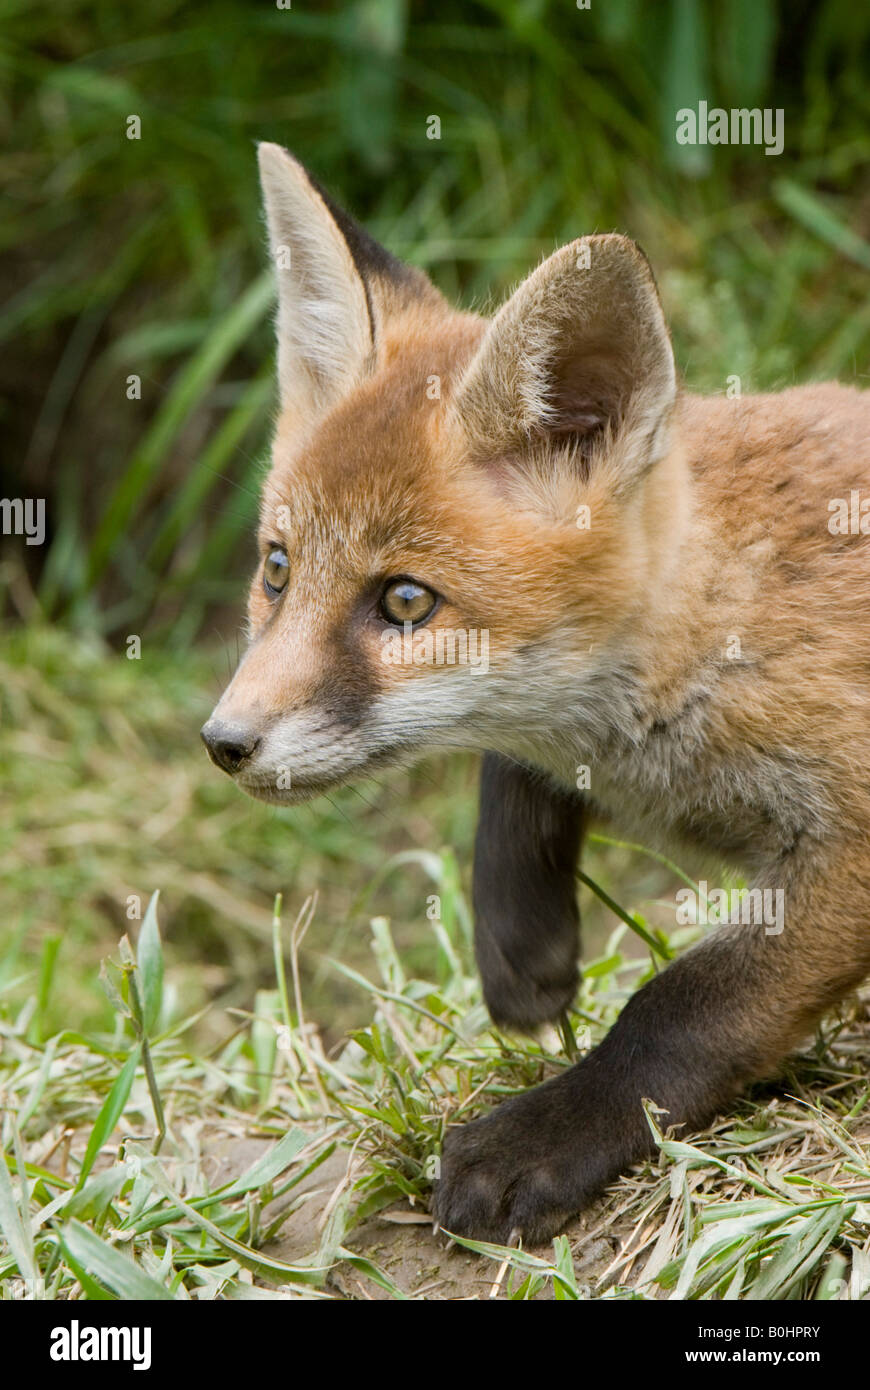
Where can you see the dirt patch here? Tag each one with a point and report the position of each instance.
(427, 1266)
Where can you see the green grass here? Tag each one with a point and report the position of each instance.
(130, 1059)
(105, 1191)
(109, 797)
(146, 256)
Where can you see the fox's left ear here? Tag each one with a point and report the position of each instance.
(336, 286)
(579, 353)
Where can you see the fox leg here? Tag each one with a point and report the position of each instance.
(724, 1014)
(527, 925)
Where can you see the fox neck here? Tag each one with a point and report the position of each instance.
(598, 704)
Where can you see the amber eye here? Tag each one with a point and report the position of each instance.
(276, 571)
(405, 601)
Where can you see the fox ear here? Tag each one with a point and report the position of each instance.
(324, 327)
(335, 285)
(579, 353)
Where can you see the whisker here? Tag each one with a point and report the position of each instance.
(337, 808)
(372, 805)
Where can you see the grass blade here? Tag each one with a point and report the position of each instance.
(149, 958)
(110, 1114)
(107, 1264)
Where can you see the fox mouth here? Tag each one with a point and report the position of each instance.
(262, 790)
(302, 789)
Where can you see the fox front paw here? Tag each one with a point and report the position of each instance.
(540, 992)
(523, 1170)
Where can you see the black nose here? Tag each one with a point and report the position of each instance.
(228, 745)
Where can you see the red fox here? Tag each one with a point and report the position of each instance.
(667, 604)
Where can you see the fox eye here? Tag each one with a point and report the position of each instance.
(405, 601)
(276, 571)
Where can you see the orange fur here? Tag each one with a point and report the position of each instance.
(701, 646)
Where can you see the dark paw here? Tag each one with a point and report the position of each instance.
(527, 926)
(537, 993)
(521, 1171)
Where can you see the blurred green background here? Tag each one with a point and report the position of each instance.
(146, 257)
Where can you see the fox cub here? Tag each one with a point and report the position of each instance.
(671, 602)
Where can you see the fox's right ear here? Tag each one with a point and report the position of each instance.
(579, 354)
(335, 286)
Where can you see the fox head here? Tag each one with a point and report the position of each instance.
(465, 519)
